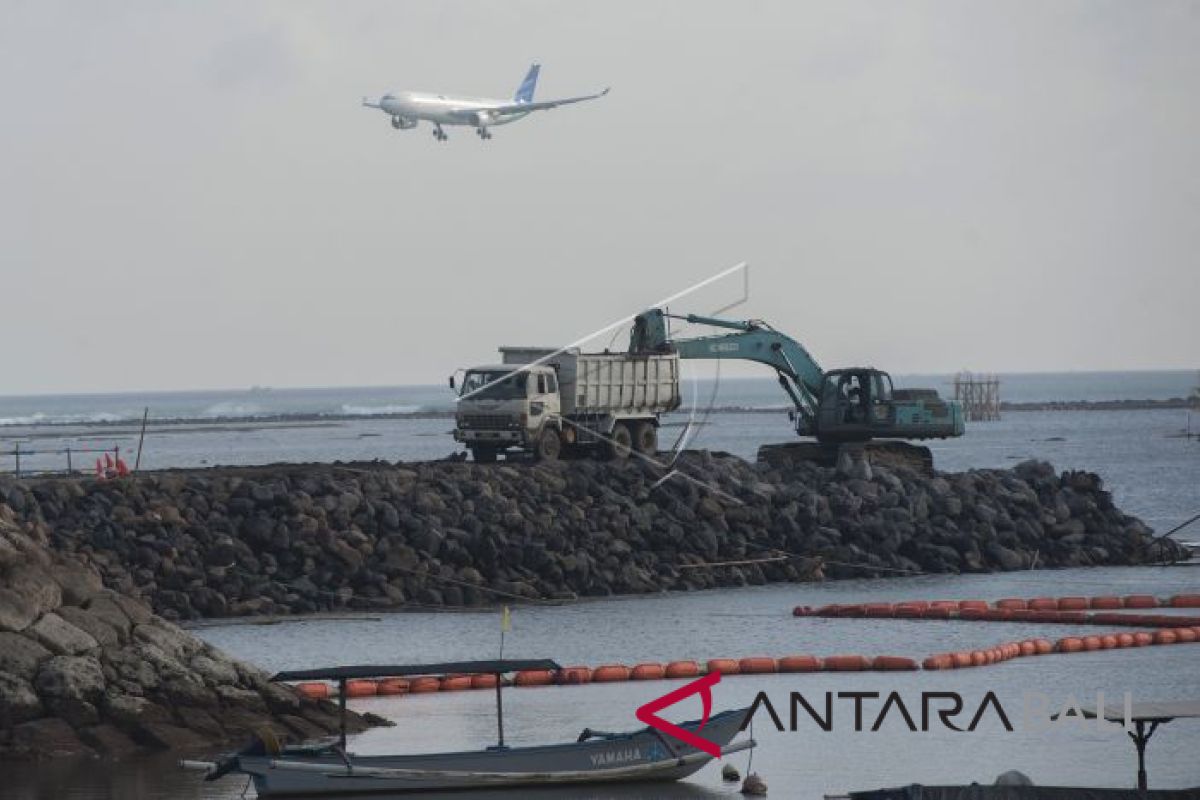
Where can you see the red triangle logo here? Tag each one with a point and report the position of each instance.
(702, 686)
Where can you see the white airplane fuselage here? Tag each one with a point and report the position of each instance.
(408, 109)
(444, 109)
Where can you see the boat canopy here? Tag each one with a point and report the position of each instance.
(386, 670)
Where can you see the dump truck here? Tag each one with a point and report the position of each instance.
(552, 403)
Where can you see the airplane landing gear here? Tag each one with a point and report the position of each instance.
(439, 134)
(483, 133)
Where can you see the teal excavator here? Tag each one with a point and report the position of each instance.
(854, 410)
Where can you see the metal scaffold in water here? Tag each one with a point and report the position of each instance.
(979, 396)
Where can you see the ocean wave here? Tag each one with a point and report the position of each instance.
(232, 409)
(42, 418)
(374, 411)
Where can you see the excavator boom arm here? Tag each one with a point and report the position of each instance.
(799, 374)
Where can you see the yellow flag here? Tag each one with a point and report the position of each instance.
(506, 620)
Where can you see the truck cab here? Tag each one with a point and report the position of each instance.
(504, 406)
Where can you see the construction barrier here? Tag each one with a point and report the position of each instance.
(647, 672)
(798, 664)
(725, 666)
(682, 669)
(315, 691)
(391, 686)
(757, 666)
(484, 681)
(575, 675)
(534, 677)
(846, 663)
(610, 673)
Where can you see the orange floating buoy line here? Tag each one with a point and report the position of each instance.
(1169, 629)
(1071, 610)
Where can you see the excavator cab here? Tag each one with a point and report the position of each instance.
(855, 405)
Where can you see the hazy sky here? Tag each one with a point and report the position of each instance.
(190, 195)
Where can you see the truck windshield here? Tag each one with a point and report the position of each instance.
(495, 385)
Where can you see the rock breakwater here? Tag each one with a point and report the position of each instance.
(87, 670)
(319, 537)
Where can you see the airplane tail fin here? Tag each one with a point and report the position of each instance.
(525, 90)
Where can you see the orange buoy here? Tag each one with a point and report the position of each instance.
(975, 605)
(682, 669)
(1105, 603)
(893, 663)
(979, 658)
(939, 612)
(392, 686)
(798, 664)
(855, 610)
(939, 661)
(575, 675)
(827, 611)
(1043, 604)
(1044, 647)
(314, 690)
(962, 659)
(1185, 634)
(483, 681)
(1072, 603)
(1141, 601)
(801, 611)
(913, 609)
(973, 613)
(879, 610)
(1078, 617)
(1165, 636)
(424, 685)
(846, 663)
(1185, 601)
(725, 666)
(756, 665)
(647, 672)
(1012, 604)
(456, 683)
(1028, 648)
(534, 677)
(1124, 640)
(363, 688)
(1141, 639)
(1069, 644)
(952, 605)
(609, 673)
(1109, 641)
(1092, 643)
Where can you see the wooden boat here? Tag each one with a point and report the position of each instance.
(596, 757)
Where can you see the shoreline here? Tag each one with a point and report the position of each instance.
(333, 419)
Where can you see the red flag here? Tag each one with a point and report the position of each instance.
(108, 461)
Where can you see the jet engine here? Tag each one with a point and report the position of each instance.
(403, 123)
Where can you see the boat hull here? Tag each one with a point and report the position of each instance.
(644, 755)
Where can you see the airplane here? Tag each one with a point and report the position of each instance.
(408, 108)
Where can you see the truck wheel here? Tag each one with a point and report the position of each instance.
(645, 438)
(619, 443)
(548, 446)
(484, 455)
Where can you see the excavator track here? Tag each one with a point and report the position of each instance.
(887, 454)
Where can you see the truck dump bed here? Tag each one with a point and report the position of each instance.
(617, 384)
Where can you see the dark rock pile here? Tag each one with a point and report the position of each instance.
(85, 669)
(304, 538)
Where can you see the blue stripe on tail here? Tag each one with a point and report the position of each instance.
(525, 91)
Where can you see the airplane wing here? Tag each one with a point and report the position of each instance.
(516, 108)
